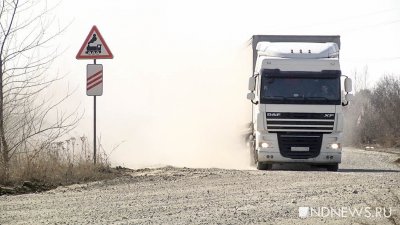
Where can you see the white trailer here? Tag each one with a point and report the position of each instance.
(297, 97)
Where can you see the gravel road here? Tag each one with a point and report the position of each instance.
(367, 181)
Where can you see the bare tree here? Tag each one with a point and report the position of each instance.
(26, 123)
(386, 102)
(358, 110)
(361, 79)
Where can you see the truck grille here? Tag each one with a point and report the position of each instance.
(300, 122)
(299, 146)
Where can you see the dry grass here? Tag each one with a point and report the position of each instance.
(62, 164)
(58, 172)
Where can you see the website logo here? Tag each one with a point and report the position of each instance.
(304, 212)
(343, 212)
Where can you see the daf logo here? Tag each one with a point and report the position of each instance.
(329, 115)
(274, 114)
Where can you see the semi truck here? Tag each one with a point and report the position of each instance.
(298, 92)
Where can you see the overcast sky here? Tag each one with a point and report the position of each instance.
(177, 84)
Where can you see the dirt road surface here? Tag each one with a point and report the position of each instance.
(367, 181)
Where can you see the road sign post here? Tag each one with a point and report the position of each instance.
(94, 122)
(94, 47)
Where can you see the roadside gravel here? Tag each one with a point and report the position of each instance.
(218, 196)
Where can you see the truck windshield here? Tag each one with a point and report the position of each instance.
(300, 90)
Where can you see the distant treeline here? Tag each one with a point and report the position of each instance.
(373, 116)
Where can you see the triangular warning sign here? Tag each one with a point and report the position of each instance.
(94, 47)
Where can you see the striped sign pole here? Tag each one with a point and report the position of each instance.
(94, 80)
(94, 87)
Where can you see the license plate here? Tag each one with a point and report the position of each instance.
(300, 149)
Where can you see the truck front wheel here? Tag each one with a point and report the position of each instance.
(264, 166)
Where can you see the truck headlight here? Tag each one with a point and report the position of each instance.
(264, 145)
(335, 146)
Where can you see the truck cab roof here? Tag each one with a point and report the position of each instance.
(298, 50)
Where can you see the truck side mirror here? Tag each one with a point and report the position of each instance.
(348, 87)
(252, 83)
(251, 96)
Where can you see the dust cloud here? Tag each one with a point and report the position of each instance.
(192, 110)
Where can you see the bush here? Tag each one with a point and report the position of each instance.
(60, 164)
(374, 115)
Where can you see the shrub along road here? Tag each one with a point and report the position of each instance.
(217, 196)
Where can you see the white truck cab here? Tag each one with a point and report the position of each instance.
(296, 92)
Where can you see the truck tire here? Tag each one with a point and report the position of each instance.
(264, 166)
(334, 167)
